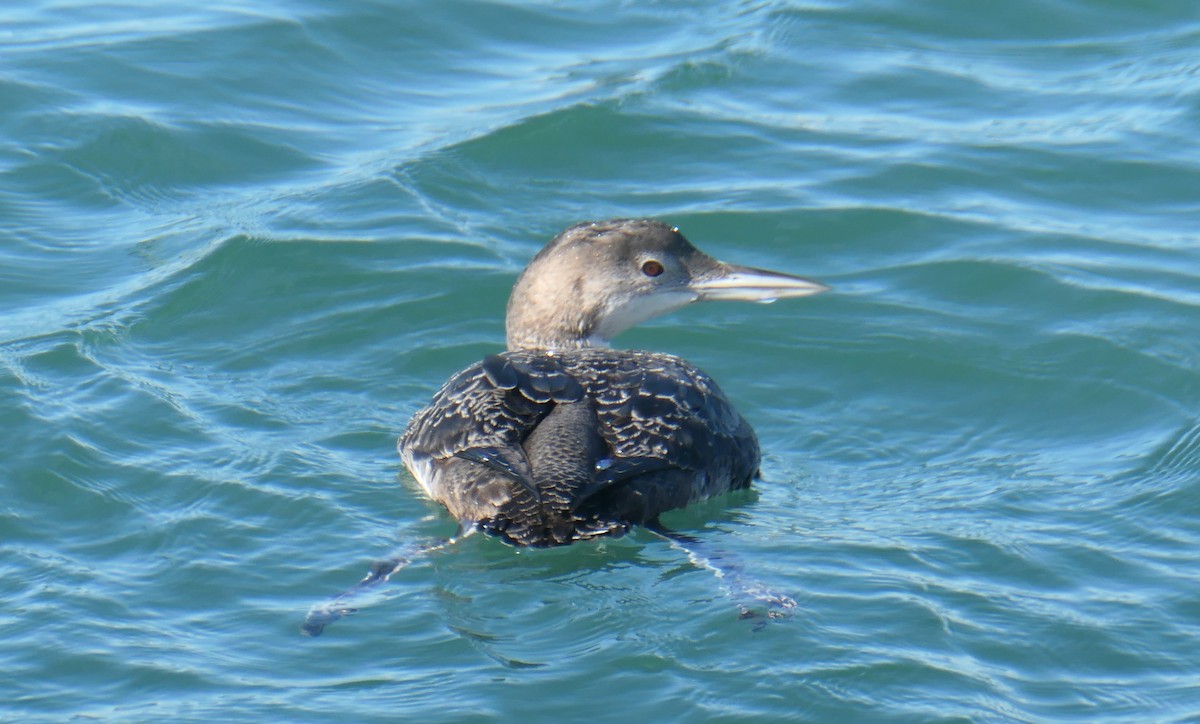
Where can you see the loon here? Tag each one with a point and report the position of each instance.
(562, 438)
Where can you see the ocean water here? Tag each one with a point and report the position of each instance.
(241, 243)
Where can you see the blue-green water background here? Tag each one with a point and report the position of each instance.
(240, 243)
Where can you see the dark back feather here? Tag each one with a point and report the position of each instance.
(546, 447)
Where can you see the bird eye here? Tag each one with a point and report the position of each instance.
(652, 268)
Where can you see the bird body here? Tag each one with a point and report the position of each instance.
(562, 438)
(543, 448)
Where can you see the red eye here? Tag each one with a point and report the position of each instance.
(652, 268)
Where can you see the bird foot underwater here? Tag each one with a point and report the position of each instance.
(324, 614)
(754, 601)
(778, 607)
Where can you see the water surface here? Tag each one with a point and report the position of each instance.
(241, 243)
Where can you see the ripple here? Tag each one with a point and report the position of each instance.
(244, 245)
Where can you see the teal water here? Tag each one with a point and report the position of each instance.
(241, 243)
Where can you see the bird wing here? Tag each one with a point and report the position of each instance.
(668, 430)
(661, 416)
(483, 415)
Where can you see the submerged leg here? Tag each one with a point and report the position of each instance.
(323, 614)
(749, 595)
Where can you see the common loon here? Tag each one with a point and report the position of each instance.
(562, 438)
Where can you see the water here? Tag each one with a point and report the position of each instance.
(241, 243)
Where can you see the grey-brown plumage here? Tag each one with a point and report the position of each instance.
(562, 438)
(544, 449)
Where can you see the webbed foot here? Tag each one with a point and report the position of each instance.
(322, 615)
(754, 600)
